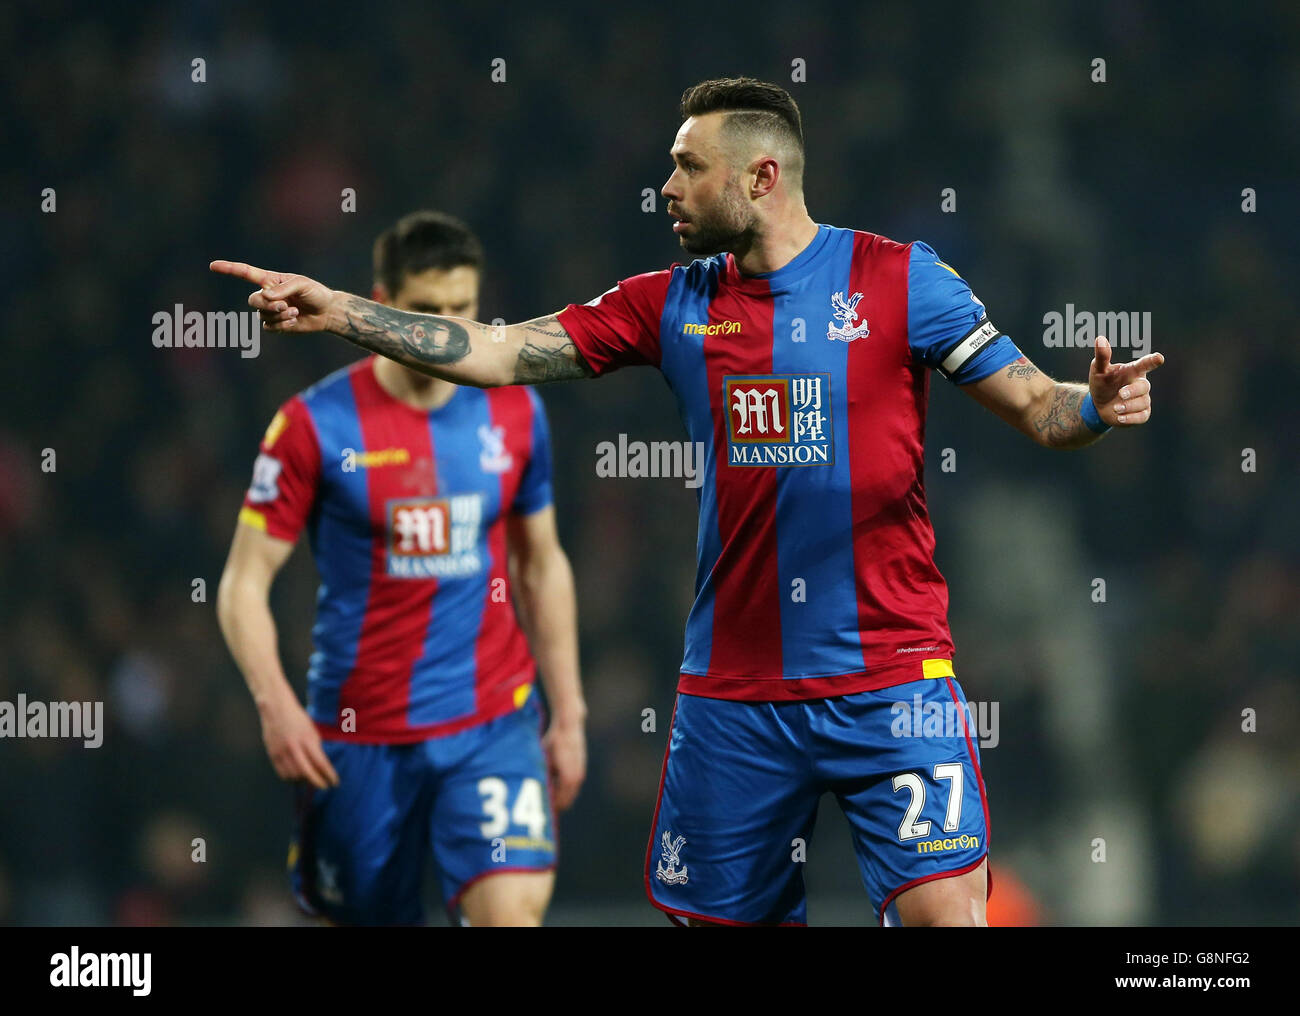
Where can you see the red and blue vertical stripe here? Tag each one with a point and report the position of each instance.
(403, 658)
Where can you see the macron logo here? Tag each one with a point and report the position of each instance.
(75, 969)
(720, 328)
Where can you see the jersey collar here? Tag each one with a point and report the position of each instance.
(801, 264)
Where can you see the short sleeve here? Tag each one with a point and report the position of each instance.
(948, 328)
(620, 328)
(285, 474)
(534, 491)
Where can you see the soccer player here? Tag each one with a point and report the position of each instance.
(426, 504)
(800, 354)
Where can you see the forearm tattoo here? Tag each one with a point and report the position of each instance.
(419, 340)
(1022, 368)
(412, 339)
(548, 354)
(1060, 423)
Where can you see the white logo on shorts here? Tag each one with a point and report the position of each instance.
(672, 854)
(327, 881)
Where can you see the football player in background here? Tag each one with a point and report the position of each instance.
(427, 505)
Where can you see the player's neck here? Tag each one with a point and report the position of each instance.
(419, 391)
(778, 245)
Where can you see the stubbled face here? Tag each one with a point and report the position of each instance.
(450, 292)
(705, 192)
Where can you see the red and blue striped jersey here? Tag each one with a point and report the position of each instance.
(415, 634)
(807, 387)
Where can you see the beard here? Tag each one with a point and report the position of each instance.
(728, 226)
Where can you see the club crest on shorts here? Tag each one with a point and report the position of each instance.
(846, 312)
(327, 882)
(666, 871)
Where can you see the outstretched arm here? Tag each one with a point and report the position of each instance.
(454, 349)
(1049, 411)
(458, 349)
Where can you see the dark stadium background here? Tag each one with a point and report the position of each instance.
(1118, 720)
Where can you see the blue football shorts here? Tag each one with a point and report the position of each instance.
(478, 802)
(742, 781)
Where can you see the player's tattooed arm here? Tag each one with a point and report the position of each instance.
(1046, 411)
(461, 350)
(1059, 424)
(452, 348)
(547, 353)
(1022, 368)
(1050, 411)
(412, 339)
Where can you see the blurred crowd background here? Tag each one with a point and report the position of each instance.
(1123, 788)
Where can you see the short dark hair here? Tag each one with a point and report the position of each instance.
(420, 241)
(756, 106)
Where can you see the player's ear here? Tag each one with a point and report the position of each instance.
(765, 173)
(379, 293)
